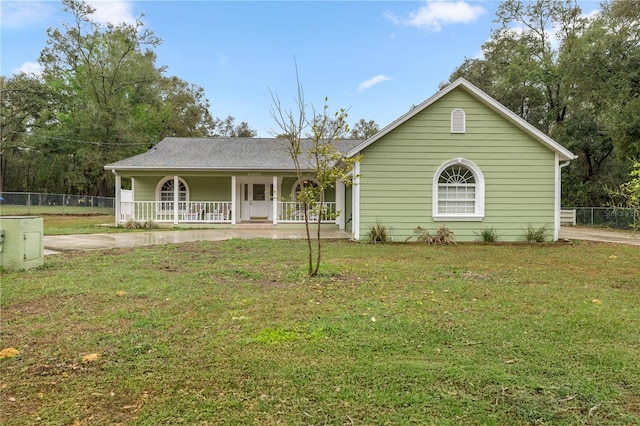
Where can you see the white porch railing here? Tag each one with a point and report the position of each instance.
(188, 211)
(293, 212)
(212, 212)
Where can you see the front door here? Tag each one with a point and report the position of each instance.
(256, 201)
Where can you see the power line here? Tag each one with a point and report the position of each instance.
(103, 144)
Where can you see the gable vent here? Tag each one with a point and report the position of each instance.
(458, 124)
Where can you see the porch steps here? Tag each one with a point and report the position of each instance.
(254, 225)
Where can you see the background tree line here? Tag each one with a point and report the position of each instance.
(100, 98)
(574, 77)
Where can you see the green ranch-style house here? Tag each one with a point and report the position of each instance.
(460, 158)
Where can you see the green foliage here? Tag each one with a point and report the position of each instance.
(627, 195)
(443, 236)
(378, 233)
(101, 97)
(539, 235)
(364, 129)
(574, 78)
(310, 138)
(489, 235)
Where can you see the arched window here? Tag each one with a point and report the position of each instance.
(165, 191)
(458, 191)
(306, 182)
(458, 121)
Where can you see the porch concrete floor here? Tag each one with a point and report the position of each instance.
(54, 244)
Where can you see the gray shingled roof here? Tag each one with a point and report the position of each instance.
(218, 154)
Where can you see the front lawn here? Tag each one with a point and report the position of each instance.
(234, 333)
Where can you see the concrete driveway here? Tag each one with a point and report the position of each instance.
(600, 235)
(63, 243)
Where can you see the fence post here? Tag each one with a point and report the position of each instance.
(28, 203)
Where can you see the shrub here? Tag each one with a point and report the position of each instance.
(443, 236)
(149, 224)
(378, 233)
(132, 224)
(539, 235)
(488, 235)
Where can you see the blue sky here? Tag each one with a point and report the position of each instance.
(374, 58)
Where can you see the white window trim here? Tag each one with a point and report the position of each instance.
(478, 214)
(165, 180)
(295, 186)
(464, 121)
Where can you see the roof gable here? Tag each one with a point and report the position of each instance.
(563, 153)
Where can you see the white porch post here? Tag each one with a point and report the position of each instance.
(234, 201)
(340, 204)
(176, 198)
(118, 198)
(355, 218)
(558, 198)
(275, 198)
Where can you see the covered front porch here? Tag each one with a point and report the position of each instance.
(221, 200)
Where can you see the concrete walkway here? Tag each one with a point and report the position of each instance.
(64, 243)
(54, 244)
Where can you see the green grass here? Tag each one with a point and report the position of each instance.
(234, 333)
(19, 210)
(73, 224)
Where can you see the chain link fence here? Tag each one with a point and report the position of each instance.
(30, 203)
(607, 217)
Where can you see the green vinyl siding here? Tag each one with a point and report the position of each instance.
(210, 188)
(397, 172)
(201, 188)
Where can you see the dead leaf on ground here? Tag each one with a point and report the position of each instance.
(9, 352)
(90, 358)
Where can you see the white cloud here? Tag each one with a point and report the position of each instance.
(436, 13)
(24, 14)
(372, 82)
(29, 68)
(114, 11)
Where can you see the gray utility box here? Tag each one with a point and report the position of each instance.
(21, 242)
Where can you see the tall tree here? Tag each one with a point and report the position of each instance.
(364, 129)
(560, 71)
(27, 105)
(228, 129)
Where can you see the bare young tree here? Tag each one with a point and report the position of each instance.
(310, 138)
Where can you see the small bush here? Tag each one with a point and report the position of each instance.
(378, 233)
(443, 236)
(132, 224)
(149, 224)
(488, 235)
(539, 235)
